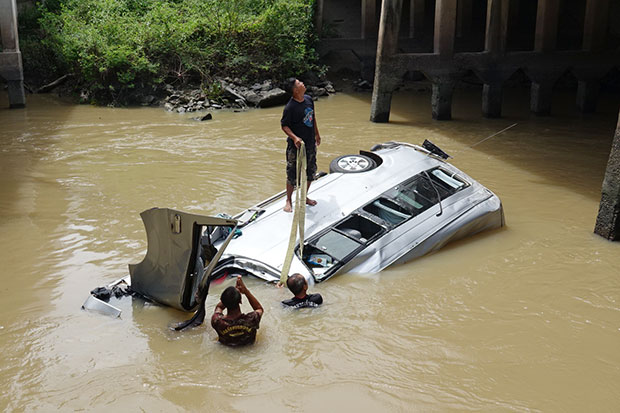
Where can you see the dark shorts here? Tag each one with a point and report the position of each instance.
(291, 165)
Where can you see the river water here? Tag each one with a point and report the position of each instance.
(525, 318)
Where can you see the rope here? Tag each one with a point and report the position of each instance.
(299, 214)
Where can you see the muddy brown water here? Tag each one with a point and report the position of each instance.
(525, 318)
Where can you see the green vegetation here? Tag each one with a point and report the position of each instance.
(114, 47)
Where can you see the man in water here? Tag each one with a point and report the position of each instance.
(299, 287)
(299, 123)
(235, 328)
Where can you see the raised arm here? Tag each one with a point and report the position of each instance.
(251, 299)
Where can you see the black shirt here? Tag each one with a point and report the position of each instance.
(310, 300)
(299, 116)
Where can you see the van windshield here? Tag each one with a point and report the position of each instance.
(418, 194)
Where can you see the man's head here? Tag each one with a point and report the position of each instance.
(297, 284)
(292, 85)
(231, 298)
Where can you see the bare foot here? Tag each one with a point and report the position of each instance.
(288, 207)
(310, 202)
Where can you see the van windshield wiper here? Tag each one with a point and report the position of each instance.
(436, 191)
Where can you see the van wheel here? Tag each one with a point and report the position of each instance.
(347, 164)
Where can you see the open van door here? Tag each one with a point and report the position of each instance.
(180, 256)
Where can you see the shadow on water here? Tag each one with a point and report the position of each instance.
(561, 148)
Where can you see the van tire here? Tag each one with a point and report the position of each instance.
(348, 164)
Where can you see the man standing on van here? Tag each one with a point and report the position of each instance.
(299, 124)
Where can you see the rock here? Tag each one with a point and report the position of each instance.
(169, 106)
(233, 94)
(266, 86)
(216, 106)
(208, 116)
(273, 97)
(252, 97)
(330, 88)
(316, 91)
(84, 96)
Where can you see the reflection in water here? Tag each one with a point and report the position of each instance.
(523, 318)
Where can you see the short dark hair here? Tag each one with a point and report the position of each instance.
(231, 297)
(289, 84)
(296, 283)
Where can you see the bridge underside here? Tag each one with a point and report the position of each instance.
(446, 40)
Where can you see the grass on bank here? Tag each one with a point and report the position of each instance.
(115, 48)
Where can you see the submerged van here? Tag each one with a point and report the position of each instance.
(378, 208)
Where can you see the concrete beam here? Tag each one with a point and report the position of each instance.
(369, 18)
(387, 44)
(608, 219)
(445, 25)
(595, 25)
(547, 25)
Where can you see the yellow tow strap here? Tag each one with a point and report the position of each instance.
(299, 215)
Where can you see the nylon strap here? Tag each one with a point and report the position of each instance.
(299, 214)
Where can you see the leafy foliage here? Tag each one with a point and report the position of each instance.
(115, 46)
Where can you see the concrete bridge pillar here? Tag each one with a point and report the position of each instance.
(10, 58)
(594, 32)
(416, 18)
(443, 86)
(389, 26)
(369, 15)
(545, 41)
(587, 95)
(540, 97)
(595, 25)
(441, 100)
(445, 25)
(608, 219)
(492, 95)
(546, 25)
(495, 45)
